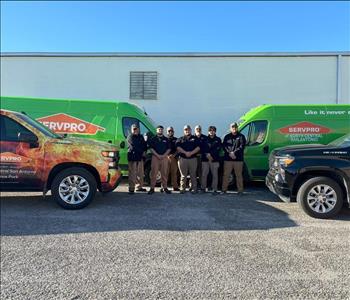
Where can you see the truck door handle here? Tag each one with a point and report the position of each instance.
(122, 144)
(266, 149)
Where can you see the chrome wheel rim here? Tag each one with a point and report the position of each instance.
(322, 198)
(74, 189)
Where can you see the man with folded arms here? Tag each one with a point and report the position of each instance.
(188, 146)
(160, 148)
(211, 160)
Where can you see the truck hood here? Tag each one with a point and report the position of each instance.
(301, 149)
(74, 141)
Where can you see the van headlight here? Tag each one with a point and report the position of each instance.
(283, 161)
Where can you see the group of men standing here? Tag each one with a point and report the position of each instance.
(192, 155)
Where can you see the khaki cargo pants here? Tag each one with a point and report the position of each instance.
(188, 166)
(159, 165)
(172, 170)
(214, 168)
(237, 166)
(136, 174)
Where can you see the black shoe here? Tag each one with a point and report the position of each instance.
(215, 193)
(202, 191)
(141, 190)
(131, 192)
(223, 193)
(194, 192)
(150, 192)
(176, 189)
(162, 190)
(182, 191)
(167, 191)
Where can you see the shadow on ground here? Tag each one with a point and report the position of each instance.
(118, 211)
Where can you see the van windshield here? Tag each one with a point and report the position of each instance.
(343, 141)
(37, 125)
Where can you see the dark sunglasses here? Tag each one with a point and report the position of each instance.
(170, 130)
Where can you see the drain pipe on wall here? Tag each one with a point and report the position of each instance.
(338, 79)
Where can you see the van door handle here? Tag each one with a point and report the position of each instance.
(266, 149)
(122, 144)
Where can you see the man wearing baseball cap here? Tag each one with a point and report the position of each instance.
(233, 145)
(187, 146)
(160, 148)
(202, 144)
(211, 160)
(137, 148)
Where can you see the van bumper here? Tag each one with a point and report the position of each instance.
(114, 179)
(278, 187)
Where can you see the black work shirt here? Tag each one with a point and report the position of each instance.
(172, 141)
(212, 147)
(234, 143)
(188, 144)
(202, 143)
(136, 147)
(159, 144)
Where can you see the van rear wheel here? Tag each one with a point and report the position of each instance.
(74, 188)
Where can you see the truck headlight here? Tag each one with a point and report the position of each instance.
(283, 161)
(111, 154)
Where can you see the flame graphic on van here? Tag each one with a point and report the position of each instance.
(304, 128)
(63, 123)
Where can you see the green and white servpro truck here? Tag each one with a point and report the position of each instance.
(267, 127)
(99, 120)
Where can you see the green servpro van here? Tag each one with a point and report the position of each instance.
(267, 127)
(99, 120)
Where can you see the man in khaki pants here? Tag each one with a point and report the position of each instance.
(172, 159)
(233, 145)
(160, 149)
(188, 146)
(137, 147)
(211, 160)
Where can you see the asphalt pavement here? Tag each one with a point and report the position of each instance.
(172, 247)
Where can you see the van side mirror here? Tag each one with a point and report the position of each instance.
(122, 144)
(29, 138)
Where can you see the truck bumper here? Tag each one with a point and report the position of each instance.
(278, 188)
(114, 179)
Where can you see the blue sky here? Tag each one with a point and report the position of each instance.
(175, 26)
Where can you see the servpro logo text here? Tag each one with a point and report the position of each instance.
(304, 128)
(9, 157)
(63, 123)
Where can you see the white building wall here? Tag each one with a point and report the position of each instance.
(194, 90)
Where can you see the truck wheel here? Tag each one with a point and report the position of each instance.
(74, 188)
(320, 197)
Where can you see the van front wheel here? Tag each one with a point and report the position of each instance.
(74, 188)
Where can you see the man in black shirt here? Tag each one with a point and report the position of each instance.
(137, 147)
(211, 159)
(233, 144)
(172, 159)
(160, 148)
(187, 147)
(202, 142)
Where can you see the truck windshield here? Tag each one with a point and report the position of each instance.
(37, 125)
(343, 141)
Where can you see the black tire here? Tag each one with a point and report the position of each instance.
(308, 185)
(81, 173)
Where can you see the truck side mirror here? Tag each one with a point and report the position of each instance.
(29, 138)
(122, 144)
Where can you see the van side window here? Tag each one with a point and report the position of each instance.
(258, 132)
(10, 129)
(128, 121)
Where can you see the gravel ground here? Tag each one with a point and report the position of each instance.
(172, 246)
